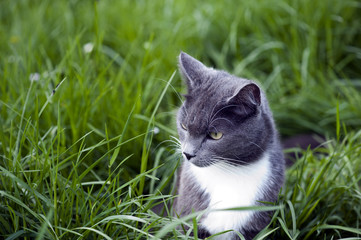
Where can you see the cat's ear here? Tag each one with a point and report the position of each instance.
(191, 69)
(247, 99)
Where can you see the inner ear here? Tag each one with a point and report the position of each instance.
(246, 100)
(249, 94)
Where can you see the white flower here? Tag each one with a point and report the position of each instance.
(88, 47)
(156, 130)
(34, 77)
(147, 45)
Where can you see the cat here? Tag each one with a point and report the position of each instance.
(232, 156)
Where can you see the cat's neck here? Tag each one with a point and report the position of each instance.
(221, 178)
(231, 186)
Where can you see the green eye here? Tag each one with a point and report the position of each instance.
(216, 135)
(183, 126)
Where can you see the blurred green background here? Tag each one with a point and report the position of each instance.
(306, 55)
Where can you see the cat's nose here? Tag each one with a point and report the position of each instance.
(188, 156)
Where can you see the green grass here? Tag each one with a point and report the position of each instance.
(88, 162)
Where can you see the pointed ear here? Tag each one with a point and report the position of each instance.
(191, 69)
(248, 98)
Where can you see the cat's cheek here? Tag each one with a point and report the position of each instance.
(220, 148)
(215, 145)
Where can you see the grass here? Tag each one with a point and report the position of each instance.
(89, 158)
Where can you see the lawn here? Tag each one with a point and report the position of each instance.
(89, 92)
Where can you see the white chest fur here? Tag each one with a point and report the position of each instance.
(229, 187)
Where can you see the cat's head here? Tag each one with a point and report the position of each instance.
(223, 118)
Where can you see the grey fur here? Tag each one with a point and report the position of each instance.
(218, 101)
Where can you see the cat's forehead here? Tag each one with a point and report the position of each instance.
(202, 105)
(218, 87)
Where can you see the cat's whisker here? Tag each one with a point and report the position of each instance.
(239, 163)
(257, 146)
(178, 144)
(175, 139)
(177, 151)
(223, 162)
(174, 145)
(236, 166)
(232, 161)
(225, 158)
(171, 144)
(226, 168)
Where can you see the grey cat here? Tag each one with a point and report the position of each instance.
(231, 150)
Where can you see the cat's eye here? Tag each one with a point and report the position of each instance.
(183, 126)
(216, 135)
